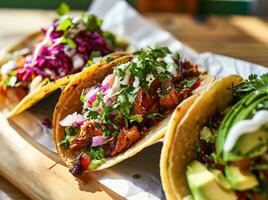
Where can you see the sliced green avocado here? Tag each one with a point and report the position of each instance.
(204, 185)
(242, 110)
(221, 180)
(239, 180)
(249, 145)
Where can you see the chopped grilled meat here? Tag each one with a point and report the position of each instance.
(125, 139)
(109, 147)
(84, 138)
(81, 164)
(171, 99)
(186, 92)
(145, 103)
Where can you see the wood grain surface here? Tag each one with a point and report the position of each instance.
(236, 36)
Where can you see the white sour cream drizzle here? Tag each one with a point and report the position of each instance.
(8, 67)
(244, 127)
(113, 89)
(41, 44)
(172, 68)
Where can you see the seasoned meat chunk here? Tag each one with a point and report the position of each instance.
(84, 138)
(171, 99)
(125, 139)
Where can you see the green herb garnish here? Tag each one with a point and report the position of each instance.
(63, 9)
(95, 153)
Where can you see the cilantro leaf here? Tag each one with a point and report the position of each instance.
(68, 41)
(11, 81)
(186, 83)
(154, 116)
(72, 131)
(136, 118)
(64, 25)
(83, 97)
(92, 114)
(95, 153)
(91, 21)
(63, 9)
(253, 83)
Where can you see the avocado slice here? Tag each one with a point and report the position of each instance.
(240, 180)
(250, 145)
(204, 185)
(242, 110)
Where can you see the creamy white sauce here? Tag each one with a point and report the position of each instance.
(136, 82)
(97, 59)
(69, 51)
(160, 70)
(35, 82)
(127, 76)
(70, 119)
(150, 78)
(77, 61)
(172, 67)
(113, 89)
(8, 67)
(41, 44)
(244, 127)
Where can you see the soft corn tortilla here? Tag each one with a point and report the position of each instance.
(69, 103)
(179, 143)
(15, 99)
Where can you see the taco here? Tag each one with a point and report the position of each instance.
(219, 150)
(113, 111)
(47, 60)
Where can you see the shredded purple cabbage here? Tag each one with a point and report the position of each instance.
(53, 62)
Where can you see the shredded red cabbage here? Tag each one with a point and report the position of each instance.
(52, 61)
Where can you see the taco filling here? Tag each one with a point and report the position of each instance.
(232, 159)
(121, 109)
(64, 48)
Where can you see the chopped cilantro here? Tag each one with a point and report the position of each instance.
(68, 41)
(92, 114)
(89, 63)
(91, 21)
(11, 81)
(109, 37)
(108, 132)
(65, 143)
(63, 9)
(253, 83)
(65, 24)
(95, 153)
(109, 59)
(83, 97)
(186, 83)
(136, 118)
(72, 131)
(95, 54)
(155, 116)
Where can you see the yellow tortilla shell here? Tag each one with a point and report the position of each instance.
(12, 99)
(178, 148)
(69, 103)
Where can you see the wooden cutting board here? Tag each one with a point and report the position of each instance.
(39, 173)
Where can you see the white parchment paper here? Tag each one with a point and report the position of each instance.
(122, 19)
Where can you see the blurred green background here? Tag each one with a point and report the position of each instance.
(243, 7)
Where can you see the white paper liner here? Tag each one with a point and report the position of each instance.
(123, 20)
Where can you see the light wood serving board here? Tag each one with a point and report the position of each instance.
(39, 173)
